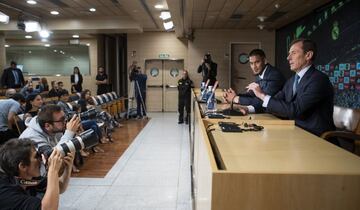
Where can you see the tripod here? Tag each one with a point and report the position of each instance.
(142, 102)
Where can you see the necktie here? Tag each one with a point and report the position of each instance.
(16, 76)
(296, 81)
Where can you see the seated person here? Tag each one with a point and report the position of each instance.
(20, 162)
(33, 105)
(60, 85)
(10, 92)
(29, 89)
(54, 91)
(268, 77)
(8, 109)
(43, 85)
(86, 102)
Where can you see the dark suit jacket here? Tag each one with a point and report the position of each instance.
(208, 74)
(78, 86)
(312, 105)
(272, 83)
(8, 79)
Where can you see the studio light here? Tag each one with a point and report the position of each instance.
(44, 33)
(32, 26)
(4, 18)
(165, 15)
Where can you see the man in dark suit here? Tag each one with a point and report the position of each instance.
(208, 68)
(268, 77)
(12, 77)
(307, 97)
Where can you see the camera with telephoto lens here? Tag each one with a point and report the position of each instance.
(87, 115)
(84, 140)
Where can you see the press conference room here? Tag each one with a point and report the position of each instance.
(180, 104)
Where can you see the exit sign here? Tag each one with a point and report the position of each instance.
(164, 55)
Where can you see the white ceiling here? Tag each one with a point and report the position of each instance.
(136, 16)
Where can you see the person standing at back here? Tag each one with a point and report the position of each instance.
(101, 81)
(12, 77)
(184, 86)
(76, 80)
(307, 97)
(208, 69)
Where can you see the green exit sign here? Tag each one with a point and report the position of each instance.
(164, 55)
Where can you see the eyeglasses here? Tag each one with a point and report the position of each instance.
(63, 120)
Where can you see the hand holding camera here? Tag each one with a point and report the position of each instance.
(54, 162)
(74, 123)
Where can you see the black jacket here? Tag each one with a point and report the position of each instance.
(208, 73)
(78, 86)
(184, 87)
(8, 79)
(272, 82)
(312, 105)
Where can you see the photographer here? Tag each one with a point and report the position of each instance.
(19, 165)
(49, 128)
(208, 69)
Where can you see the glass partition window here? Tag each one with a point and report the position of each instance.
(57, 60)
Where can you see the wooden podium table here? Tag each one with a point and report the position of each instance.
(282, 167)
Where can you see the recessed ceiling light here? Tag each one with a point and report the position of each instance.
(47, 45)
(54, 12)
(88, 44)
(28, 37)
(31, 2)
(159, 6)
(168, 25)
(261, 18)
(92, 9)
(6, 45)
(75, 36)
(30, 52)
(55, 50)
(261, 26)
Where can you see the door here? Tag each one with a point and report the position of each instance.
(241, 74)
(172, 73)
(154, 91)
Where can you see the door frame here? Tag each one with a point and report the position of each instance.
(230, 53)
(162, 79)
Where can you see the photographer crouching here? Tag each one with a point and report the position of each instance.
(50, 129)
(20, 165)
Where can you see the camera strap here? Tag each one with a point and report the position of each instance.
(27, 183)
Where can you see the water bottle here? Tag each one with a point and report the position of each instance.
(202, 87)
(206, 94)
(211, 102)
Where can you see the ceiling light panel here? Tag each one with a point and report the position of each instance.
(32, 2)
(54, 12)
